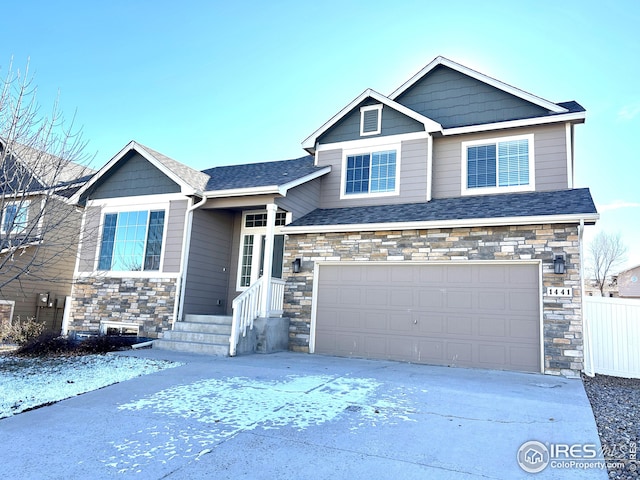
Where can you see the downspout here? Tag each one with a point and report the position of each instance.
(186, 244)
(586, 330)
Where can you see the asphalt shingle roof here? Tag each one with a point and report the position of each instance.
(263, 174)
(559, 202)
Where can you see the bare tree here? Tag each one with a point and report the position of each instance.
(607, 252)
(41, 164)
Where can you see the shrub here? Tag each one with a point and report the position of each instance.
(50, 343)
(20, 331)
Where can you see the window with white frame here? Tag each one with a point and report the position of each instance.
(498, 164)
(370, 173)
(14, 217)
(370, 120)
(132, 241)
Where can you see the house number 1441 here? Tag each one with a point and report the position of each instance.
(559, 292)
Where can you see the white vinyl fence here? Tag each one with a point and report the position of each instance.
(612, 336)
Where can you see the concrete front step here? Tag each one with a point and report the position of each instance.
(199, 337)
(192, 347)
(206, 334)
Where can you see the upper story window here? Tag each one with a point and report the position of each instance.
(497, 165)
(132, 241)
(15, 217)
(371, 173)
(370, 120)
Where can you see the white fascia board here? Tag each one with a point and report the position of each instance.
(473, 222)
(430, 125)
(577, 117)
(478, 76)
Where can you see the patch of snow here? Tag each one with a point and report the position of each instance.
(228, 406)
(27, 383)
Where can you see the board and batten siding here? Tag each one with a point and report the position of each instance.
(134, 176)
(550, 158)
(348, 128)
(208, 269)
(454, 99)
(174, 235)
(412, 178)
(301, 199)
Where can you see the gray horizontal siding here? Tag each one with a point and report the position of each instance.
(133, 176)
(454, 99)
(207, 279)
(412, 175)
(90, 238)
(551, 157)
(550, 151)
(301, 199)
(348, 128)
(174, 236)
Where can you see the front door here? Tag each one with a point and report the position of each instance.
(253, 239)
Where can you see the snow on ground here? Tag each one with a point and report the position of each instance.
(26, 383)
(217, 409)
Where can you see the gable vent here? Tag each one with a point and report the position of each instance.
(370, 119)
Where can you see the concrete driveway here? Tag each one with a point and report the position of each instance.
(300, 416)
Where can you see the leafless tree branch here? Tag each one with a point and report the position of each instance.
(607, 252)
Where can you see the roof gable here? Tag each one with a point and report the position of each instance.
(442, 61)
(428, 125)
(455, 99)
(188, 180)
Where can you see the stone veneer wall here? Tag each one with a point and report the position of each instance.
(562, 317)
(149, 302)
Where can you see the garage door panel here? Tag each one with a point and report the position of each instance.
(493, 327)
(492, 300)
(430, 323)
(473, 315)
(460, 354)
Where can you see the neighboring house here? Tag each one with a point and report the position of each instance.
(38, 233)
(628, 283)
(439, 224)
(592, 289)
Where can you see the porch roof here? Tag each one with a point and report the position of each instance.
(264, 174)
(530, 207)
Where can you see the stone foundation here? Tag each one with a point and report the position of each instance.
(147, 302)
(562, 317)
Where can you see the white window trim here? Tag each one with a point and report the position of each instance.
(368, 109)
(370, 149)
(149, 207)
(489, 190)
(20, 203)
(256, 232)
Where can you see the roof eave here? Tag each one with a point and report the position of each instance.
(576, 117)
(588, 218)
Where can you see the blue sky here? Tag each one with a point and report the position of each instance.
(213, 83)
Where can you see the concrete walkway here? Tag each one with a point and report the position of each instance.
(300, 416)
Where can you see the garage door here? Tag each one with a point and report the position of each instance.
(472, 315)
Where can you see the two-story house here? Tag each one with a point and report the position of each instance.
(439, 224)
(38, 233)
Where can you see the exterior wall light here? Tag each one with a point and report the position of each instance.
(296, 264)
(558, 264)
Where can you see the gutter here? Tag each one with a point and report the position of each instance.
(186, 243)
